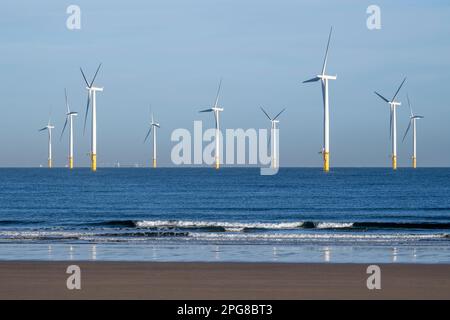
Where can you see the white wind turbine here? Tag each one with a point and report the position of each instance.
(49, 128)
(393, 122)
(273, 137)
(412, 121)
(92, 96)
(153, 125)
(216, 109)
(69, 119)
(326, 121)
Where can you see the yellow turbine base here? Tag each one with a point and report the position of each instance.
(414, 162)
(49, 163)
(94, 162)
(394, 162)
(70, 163)
(326, 161)
(217, 164)
(274, 163)
(154, 163)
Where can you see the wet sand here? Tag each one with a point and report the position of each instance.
(159, 280)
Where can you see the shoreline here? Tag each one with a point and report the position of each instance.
(221, 280)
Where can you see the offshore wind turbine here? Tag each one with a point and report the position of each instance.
(49, 128)
(153, 125)
(393, 122)
(92, 91)
(273, 137)
(326, 119)
(216, 109)
(69, 119)
(412, 121)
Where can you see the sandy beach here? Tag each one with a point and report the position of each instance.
(159, 280)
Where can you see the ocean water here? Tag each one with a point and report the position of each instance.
(233, 214)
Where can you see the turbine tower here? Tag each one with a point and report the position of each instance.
(49, 128)
(216, 109)
(412, 121)
(69, 119)
(153, 125)
(326, 119)
(92, 96)
(273, 137)
(393, 122)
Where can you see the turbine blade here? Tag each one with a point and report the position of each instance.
(269, 142)
(409, 126)
(218, 92)
(84, 77)
(312, 80)
(95, 75)
(326, 52)
(266, 113)
(64, 128)
(279, 114)
(409, 104)
(206, 110)
(67, 101)
(386, 100)
(45, 128)
(398, 90)
(148, 133)
(87, 110)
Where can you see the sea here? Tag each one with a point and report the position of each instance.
(349, 215)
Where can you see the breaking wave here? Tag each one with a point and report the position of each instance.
(238, 226)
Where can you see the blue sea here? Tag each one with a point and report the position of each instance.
(234, 214)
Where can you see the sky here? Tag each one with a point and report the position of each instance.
(172, 53)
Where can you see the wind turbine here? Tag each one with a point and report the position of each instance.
(326, 120)
(69, 119)
(393, 122)
(273, 136)
(49, 128)
(153, 125)
(412, 120)
(92, 96)
(216, 109)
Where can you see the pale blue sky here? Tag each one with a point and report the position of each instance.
(171, 53)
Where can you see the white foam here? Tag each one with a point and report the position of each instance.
(40, 234)
(311, 236)
(229, 226)
(333, 225)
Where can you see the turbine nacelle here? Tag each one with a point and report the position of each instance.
(48, 127)
(91, 89)
(214, 109)
(395, 104)
(326, 77)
